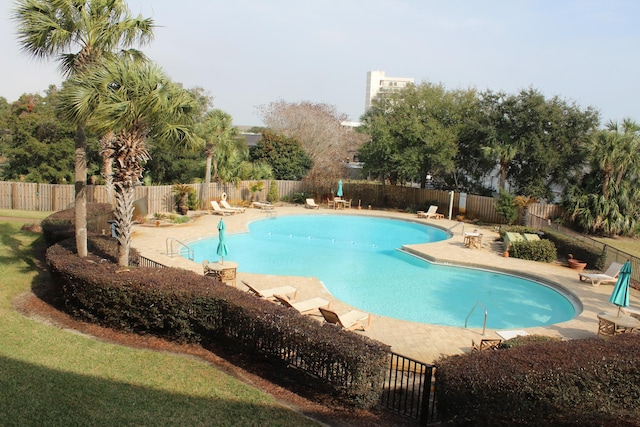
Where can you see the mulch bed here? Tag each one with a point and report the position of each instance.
(40, 304)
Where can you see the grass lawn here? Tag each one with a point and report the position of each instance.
(50, 376)
(625, 244)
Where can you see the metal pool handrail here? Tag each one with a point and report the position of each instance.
(484, 326)
(169, 246)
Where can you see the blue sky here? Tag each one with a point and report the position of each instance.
(247, 53)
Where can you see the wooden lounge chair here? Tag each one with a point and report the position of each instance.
(269, 293)
(609, 276)
(306, 306)
(228, 207)
(311, 204)
(430, 213)
(218, 210)
(485, 344)
(349, 321)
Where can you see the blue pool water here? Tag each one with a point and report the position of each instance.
(358, 260)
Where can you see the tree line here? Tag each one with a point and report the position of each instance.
(524, 144)
(119, 119)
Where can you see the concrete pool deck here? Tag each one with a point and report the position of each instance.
(426, 343)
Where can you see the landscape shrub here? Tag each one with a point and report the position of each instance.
(272, 195)
(590, 382)
(187, 307)
(593, 256)
(542, 250)
(61, 225)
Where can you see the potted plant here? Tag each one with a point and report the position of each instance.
(576, 264)
(254, 188)
(181, 192)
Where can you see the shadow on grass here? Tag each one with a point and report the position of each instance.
(36, 395)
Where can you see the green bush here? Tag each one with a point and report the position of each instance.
(184, 306)
(272, 195)
(506, 207)
(542, 250)
(589, 382)
(60, 225)
(594, 257)
(300, 197)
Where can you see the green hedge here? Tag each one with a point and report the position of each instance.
(589, 382)
(61, 225)
(594, 257)
(183, 306)
(542, 250)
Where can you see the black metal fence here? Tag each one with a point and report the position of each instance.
(409, 389)
(612, 254)
(146, 262)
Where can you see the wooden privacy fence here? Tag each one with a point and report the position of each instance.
(54, 197)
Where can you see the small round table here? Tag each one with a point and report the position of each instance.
(612, 323)
(223, 271)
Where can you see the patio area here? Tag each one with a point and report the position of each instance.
(426, 343)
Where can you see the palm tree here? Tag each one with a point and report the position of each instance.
(217, 132)
(99, 28)
(136, 101)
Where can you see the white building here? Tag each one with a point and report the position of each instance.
(378, 84)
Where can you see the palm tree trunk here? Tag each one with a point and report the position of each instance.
(124, 219)
(81, 191)
(204, 197)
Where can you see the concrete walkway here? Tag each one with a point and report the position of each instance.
(426, 343)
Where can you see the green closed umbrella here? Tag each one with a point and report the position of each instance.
(620, 294)
(339, 192)
(222, 244)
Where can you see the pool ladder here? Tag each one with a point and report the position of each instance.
(182, 247)
(484, 326)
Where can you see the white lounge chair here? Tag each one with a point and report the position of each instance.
(609, 276)
(269, 293)
(306, 306)
(218, 210)
(349, 321)
(263, 206)
(228, 207)
(430, 213)
(311, 204)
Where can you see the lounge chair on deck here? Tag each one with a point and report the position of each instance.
(311, 204)
(228, 207)
(264, 206)
(609, 276)
(349, 321)
(306, 306)
(271, 292)
(485, 344)
(432, 212)
(218, 210)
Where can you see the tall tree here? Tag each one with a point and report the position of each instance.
(607, 199)
(217, 131)
(285, 156)
(323, 133)
(421, 125)
(136, 101)
(98, 28)
(535, 143)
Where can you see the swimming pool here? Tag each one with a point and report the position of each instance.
(358, 260)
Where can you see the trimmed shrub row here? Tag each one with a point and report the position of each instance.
(61, 225)
(590, 382)
(183, 306)
(595, 258)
